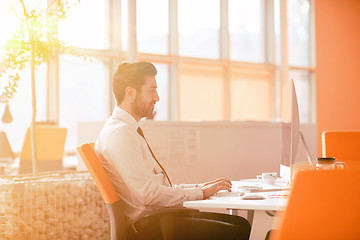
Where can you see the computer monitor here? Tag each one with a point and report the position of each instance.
(290, 130)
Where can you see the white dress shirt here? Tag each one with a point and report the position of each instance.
(138, 180)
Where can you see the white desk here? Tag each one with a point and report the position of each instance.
(260, 214)
(11, 166)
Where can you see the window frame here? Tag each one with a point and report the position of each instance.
(116, 54)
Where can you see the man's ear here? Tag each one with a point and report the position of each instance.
(130, 92)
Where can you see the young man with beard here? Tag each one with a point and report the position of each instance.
(139, 179)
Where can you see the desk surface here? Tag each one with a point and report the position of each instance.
(11, 166)
(260, 220)
(234, 200)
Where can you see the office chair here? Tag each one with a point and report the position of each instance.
(344, 146)
(322, 205)
(50, 145)
(119, 226)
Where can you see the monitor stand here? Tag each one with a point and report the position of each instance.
(286, 172)
(311, 163)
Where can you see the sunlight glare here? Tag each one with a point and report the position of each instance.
(86, 25)
(7, 30)
(240, 13)
(193, 15)
(152, 28)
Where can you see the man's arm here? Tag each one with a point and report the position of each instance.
(123, 151)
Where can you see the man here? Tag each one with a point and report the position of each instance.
(139, 179)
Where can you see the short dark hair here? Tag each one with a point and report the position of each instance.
(133, 75)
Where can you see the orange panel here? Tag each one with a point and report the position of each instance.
(337, 65)
(322, 205)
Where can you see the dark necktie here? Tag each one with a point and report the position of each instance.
(142, 134)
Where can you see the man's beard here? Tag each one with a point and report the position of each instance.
(143, 109)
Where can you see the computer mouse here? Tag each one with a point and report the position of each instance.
(253, 197)
(229, 194)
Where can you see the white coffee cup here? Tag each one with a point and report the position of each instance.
(268, 178)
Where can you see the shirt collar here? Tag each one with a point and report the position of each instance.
(125, 116)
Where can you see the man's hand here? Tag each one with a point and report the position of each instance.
(210, 188)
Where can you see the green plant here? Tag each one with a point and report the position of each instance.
(37, 28)
(35, 42)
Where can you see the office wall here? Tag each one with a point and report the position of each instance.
(201, 151)
(338, 65)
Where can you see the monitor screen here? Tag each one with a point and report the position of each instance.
(290, 129)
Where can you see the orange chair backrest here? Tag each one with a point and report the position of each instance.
(5, 148)
(344, 146)
(50, 143)
(97, 171)
(322, 205)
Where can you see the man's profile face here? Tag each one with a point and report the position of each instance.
(146, 98)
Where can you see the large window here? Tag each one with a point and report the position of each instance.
(199, 28)
(300, 55)
(216, 60)
(84, 93)
(251, 94)
(299, 51)
(152, 28)
(201, 92)
(84, 86)
(87, 25)
(246, 28)
(299, 32)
